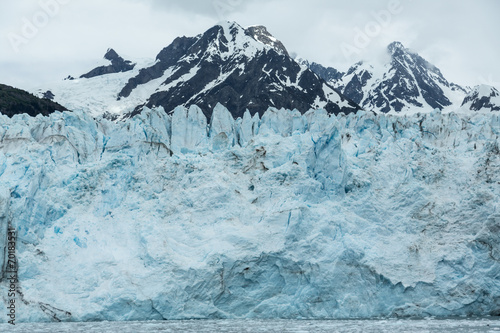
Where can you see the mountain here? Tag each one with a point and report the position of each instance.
(118, 64)
(240, 68)
(16, 101)
(482, 97)
(407, 82)
(329, 74)
(243, 69)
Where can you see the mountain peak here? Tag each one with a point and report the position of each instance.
(232, 31)
(229, 25)
(407, 82)
(111, 55)
(243, 69)
(486, 91)
(242, 39)
(262, 35)
(482, 97)
(395, 47)
(118, 64)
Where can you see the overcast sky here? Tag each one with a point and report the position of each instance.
(46, 40)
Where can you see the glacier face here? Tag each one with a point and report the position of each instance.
(290, 216)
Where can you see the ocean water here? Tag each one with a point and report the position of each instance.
(265, 326)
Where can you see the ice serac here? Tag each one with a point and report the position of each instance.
(189, 130)
(149, 131)
(222, 132)
(282, 122)
(248, 127)
(303, 216)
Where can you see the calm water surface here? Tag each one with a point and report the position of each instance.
(266, 326)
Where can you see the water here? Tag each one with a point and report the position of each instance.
(265, 326)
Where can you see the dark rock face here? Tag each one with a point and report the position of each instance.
(118, 64)
(249, 89)
(16, 101)
(352, 89)
(483, 97)
(167, 58)
(407, 81)
(329, 74)
(260, 34)
(48, 95)
(228, 65)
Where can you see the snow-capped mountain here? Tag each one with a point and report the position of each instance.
(239, 68)
(329, 74)
(482, 97)
(407, 83)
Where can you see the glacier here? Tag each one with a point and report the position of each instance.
(172, 216)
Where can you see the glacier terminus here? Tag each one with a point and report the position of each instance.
(279, 215)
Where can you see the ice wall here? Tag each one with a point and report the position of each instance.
(290, 216)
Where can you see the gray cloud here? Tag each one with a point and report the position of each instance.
(460, 38)
(217, 10)
(192, 7)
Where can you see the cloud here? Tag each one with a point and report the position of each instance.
(217, 10)
(459, 39)
(190, 7)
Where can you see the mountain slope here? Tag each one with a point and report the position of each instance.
(239, 68)
(16, 101)
(482, 97)
(407, 83)
(329, 74)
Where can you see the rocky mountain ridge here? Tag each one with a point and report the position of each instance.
(243, 69)
(407, 83)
